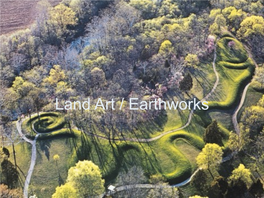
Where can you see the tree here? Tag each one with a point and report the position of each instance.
(134, 175)
(186, 83)
(236, 17)
(169, 9)
(147, 7)
(258, 80)
(86, 178)
(191, 60)
(200, 182)
(233, 143)
(56, 158)
(257, 150)
(63, 90)
(241, 173)
(166, 47)
(83, 9)
(97, 77)
(66, 191)
(218, 24)
(5, 192)
(56, 75)
(250, 26)
(162, 189)
(237, 188)
(256, 189)
(60, 18)
(219, 187)
(251, 126)
(42, 9)
(52, 82)
(165, 191)
(210, 157)
(252, 31)
(212, 134)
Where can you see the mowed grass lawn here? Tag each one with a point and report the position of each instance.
(47, 175)
(188, 150)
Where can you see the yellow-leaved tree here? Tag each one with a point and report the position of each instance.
(65, 191)
(210, 157)
(241, 173)
(84, 180)
(60, 17)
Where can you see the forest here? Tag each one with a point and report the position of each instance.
(152, 50)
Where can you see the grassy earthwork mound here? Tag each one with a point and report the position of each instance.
(235, 70)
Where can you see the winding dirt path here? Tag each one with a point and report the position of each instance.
(234, 117)
(151, 186)
(33, 156)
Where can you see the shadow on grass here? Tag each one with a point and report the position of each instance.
(44, 146)
(60, 180)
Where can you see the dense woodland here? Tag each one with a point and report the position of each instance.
(132, 48)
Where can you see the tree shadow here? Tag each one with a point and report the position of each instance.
(10, 175)
(44, 146)
(60, 180)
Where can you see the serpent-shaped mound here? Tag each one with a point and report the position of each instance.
(47, 122)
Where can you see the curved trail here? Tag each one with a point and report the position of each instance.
(33, 157)
(133, 186)
(151, 186)
(234, 117)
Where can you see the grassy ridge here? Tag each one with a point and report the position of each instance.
(235, 69)
(231, 50)
(44, 122)
(158, 157)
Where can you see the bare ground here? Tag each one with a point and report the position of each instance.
(18, 14)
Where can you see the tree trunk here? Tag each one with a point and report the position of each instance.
(210, 173)
(14, 153)
(259, 175)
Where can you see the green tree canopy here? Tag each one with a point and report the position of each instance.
(60, 18)
(86, 178)
(65, 191)
(233, 142)
(191, 60)
(241, 173)
(166, 47)
(210, 157)
(56, 75)
(212, 134)
(186, 83)
(219, 187)
(250, 26)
